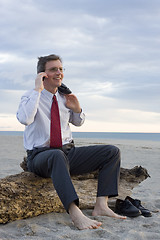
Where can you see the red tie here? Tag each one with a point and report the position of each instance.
(55, 134)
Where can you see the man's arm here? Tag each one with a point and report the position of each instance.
(28, 107)
(30, 101)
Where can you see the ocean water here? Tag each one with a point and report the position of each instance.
(101, 135)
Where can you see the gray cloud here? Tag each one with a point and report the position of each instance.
(110, 50)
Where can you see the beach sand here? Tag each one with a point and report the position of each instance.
(59, 226)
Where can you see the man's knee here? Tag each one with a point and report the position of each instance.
(113, 152)
(57, 157)
(116, 154)
(116, 150)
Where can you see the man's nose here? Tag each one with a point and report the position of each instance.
(58, 71)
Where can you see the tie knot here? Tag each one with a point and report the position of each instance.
(54, 98)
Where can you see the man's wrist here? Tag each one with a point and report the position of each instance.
(78, 110)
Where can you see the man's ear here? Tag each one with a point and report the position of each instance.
(63, 89)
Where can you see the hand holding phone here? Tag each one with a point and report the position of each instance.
(39, 81)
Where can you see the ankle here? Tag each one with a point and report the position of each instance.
(74, 210)
(101, 202)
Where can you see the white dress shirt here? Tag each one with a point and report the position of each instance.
(34, 112)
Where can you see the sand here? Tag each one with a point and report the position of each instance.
(59, 226)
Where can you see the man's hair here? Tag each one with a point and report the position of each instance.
(43, 60)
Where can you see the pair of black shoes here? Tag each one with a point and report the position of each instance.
(131, 208)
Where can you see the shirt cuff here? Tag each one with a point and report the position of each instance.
(79, 116)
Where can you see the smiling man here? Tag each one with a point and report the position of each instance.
(47, 111)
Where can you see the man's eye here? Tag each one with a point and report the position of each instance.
(54, 69)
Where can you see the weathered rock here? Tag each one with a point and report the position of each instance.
(27, 195)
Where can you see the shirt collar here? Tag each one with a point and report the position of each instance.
(50, 95)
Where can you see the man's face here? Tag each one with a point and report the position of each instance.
(54, 71)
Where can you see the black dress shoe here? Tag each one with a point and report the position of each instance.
(126, 208)
(137, 203)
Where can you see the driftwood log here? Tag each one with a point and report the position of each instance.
(27, 195)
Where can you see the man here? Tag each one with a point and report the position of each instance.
(47, 159)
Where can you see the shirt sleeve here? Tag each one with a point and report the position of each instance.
(77, 119)
(28, 107)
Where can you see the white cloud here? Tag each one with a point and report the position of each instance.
(100, 126)
(4, 58)
(10, 101)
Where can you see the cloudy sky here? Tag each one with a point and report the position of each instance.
(110, 50)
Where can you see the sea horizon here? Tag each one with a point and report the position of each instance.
(101, 135)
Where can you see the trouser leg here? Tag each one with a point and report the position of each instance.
(54, 163)
(106, 158)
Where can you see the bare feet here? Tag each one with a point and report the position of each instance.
(101, 209)
(80, 220)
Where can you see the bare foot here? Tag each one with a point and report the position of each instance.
(102, 209)
(80, 220)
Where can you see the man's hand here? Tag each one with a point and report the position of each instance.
(39, 86)
(72, 103)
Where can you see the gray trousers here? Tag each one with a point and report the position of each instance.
(54, 163)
